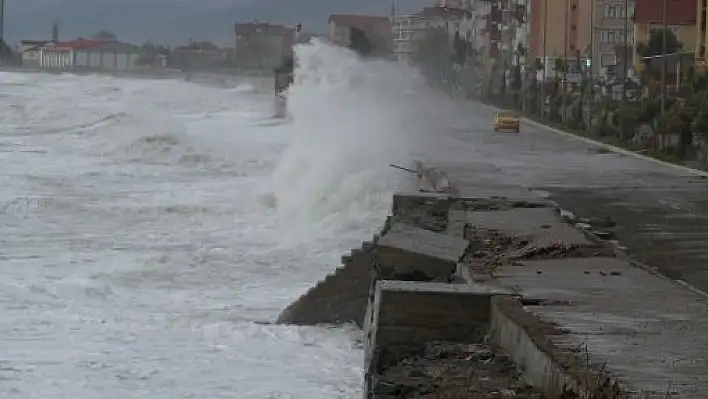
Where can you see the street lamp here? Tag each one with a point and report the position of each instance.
(625, 63)
(663, 59)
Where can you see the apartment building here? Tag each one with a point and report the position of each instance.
(407, 30)
(475, 26)
(701, 34)
(560, 29)
(681, 20)
(377, 29)
(613, 41)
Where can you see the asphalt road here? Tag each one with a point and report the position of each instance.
(661, 212)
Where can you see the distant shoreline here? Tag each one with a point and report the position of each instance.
(228, 78)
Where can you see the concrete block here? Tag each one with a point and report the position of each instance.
(423, 242)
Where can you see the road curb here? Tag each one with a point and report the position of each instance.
(617, 150)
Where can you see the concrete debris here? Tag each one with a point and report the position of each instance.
(445, 370)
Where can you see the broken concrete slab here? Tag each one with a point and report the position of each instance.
(410, 199)
(539, 227)
(510, 195)
(411, 253)
(647, 329)
(424, 242)
(427, 210)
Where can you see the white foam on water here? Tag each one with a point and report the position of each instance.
(150, 227)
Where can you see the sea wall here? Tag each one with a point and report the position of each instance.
(455, 283)
(342, 296)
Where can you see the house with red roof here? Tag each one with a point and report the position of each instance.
(79, 54)
(105, 55)
(376, 28)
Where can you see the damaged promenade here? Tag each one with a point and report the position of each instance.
(503, 295)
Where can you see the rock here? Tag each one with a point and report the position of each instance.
(584, 226)
(567, 216)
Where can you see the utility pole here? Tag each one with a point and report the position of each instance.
(625, 65)
(543, 63)
(564, 86)
(663, 59)
(591, 64)
(2, 30)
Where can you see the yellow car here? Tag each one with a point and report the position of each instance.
(506, 120)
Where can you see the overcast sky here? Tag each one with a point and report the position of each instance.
(175, 21)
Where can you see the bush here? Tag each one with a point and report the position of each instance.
(628, 118)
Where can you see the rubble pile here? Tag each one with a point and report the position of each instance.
(452, 371)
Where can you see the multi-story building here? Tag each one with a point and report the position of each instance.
(560, 29)
(680, 19)
(612, 46)
(508, 30)
(701, 34)
(475, 26)
(407, 30)
(376, 28)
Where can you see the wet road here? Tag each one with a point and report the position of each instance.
(661, 212)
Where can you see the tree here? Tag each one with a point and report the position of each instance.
(433, 53)
(150, 53)
(359, 42)
(699, 125)
(654, 46)
(105, 35)
(460, 46)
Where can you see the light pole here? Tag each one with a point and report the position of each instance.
(564, 86)
(591, 84)
(625, 65)
(543, 63)
(663, 59)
